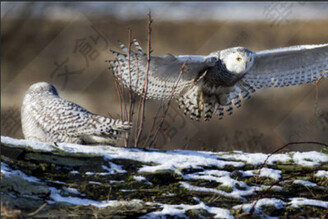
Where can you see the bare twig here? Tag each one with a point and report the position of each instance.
(151, 132)
(168, 104)
(7, 212)
(37, 210)
(119, 93)
(265, 161)
(109, 192)
(137, 76)
(201, 77)
(125, 112)
(145, 86)
(279, 181)
(316, 84)
(131, 95)
(286, 145)
(136, 90)
(130, 114)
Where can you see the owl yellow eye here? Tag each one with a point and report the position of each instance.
(238, 59)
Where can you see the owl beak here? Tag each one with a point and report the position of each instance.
(245, 64)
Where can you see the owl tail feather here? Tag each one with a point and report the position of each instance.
(192, 101)
(209, 107)
(219, 101)
(107, 131)
(120, 127)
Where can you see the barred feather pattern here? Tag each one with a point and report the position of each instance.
(304, 67)
(47, 117)
(304, 75)
(232, 76)
(197, 99)
(202, 100)
(158, 88)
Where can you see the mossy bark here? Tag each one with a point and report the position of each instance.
(83, 176)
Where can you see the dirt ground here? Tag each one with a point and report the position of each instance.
(44, 50)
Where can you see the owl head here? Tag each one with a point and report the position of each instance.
(43, 88)
(237, 60)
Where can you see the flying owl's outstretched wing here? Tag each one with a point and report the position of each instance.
(65, 121)
(288, 66)
(204, 88)
(163, 71)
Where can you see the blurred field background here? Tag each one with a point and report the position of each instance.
(67, 44)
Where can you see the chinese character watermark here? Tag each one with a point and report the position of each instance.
(10, 121)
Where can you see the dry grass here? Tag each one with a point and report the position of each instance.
(7, 212)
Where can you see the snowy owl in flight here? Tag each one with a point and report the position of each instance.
(49, 118)
(216, 82)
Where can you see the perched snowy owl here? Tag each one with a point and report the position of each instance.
(49, 118)
(216, 82)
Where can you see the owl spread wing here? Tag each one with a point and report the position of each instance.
(163, 73)
(288, 66)
(210, 88)
(201, 91)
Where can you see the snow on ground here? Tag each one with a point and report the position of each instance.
(279, 204)
(235, 193)
(310, 158)
(219, 176)
(273, 188)
(171, 160)
(178, 159)
(32, 144)
(322, 173)
(9, 172)
(256, 158)
(74, 172)
(297, 202)
(71, 190)
(141, 179)
(114, 168)
(205, 166)
(55, 195)
(94, 182)
(264, 172)
(305, 183)
(116, 181)
(179, 211)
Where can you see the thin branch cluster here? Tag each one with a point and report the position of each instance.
(128, 101)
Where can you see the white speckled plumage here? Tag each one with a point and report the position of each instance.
(47, 117)
(217, 82)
